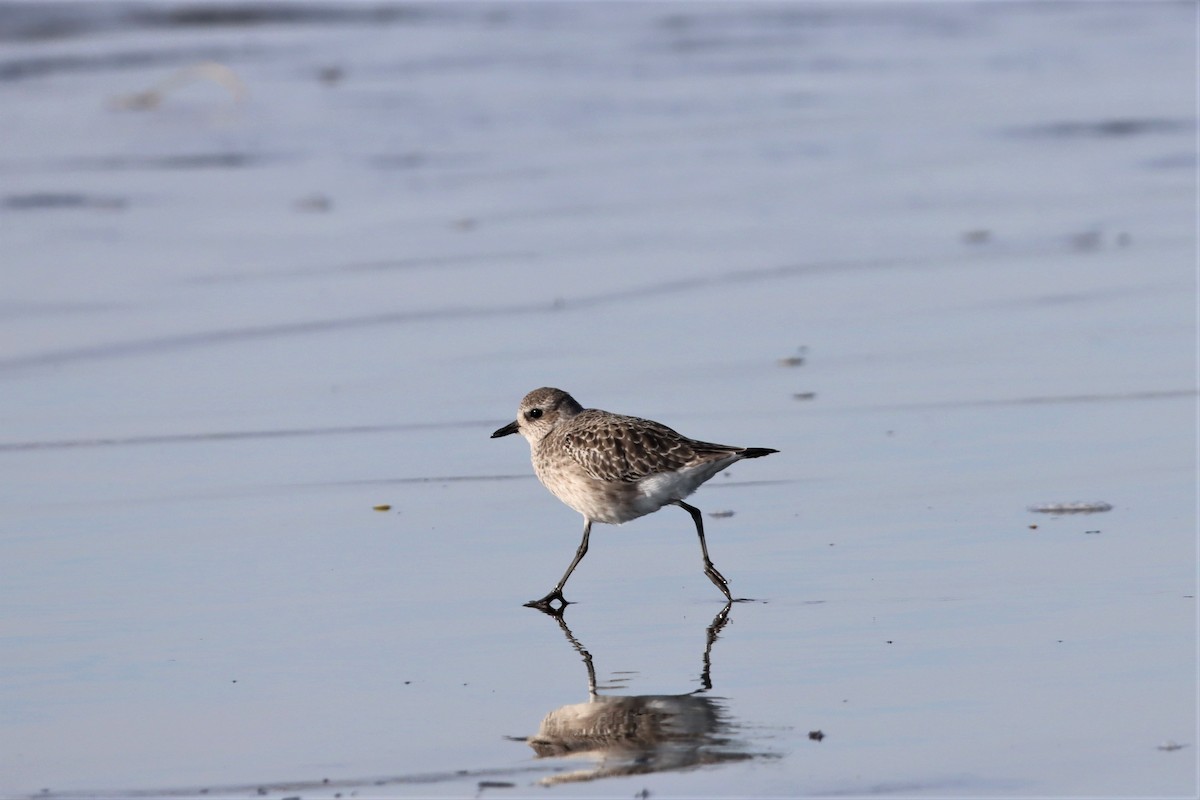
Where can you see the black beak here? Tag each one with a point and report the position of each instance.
(506, 430)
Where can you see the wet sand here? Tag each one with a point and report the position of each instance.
(941, 256)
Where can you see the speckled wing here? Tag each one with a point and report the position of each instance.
(616, 448)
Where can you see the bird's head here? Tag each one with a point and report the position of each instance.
(539, 413)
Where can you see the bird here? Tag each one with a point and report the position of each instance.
(613, 468)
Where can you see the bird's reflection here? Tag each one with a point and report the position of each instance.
(639, 734)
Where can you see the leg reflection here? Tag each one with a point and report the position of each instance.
(638, 734)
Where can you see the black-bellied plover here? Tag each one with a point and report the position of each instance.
(613, 468)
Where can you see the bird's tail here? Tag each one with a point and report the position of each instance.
(756, 452)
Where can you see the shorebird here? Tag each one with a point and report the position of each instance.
(612, 468)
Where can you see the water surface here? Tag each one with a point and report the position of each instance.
(941, 256)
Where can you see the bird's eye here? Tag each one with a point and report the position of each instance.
(534, 413)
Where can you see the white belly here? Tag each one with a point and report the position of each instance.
(616, 502)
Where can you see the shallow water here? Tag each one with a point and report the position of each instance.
(941, 256)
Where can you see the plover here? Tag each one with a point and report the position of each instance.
(613, 468)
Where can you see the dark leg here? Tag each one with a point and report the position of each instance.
(711, 571)
(547, 602)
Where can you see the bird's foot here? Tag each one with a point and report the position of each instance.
(719, 581)
(546, 604)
